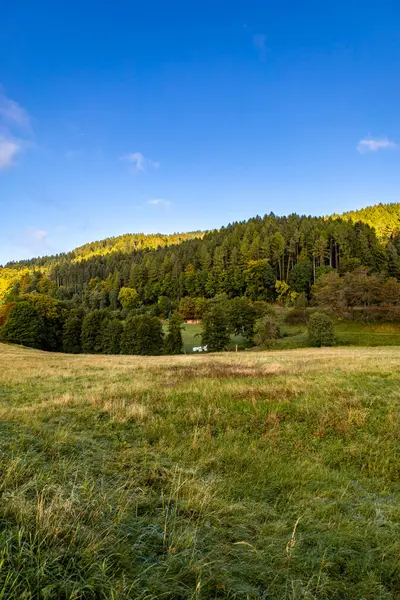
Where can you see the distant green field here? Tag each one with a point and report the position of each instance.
(347, 334)
(192, 337)
(295, 336)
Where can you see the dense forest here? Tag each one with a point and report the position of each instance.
(265, 259)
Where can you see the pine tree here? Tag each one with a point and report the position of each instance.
(174, 340)
(72, 333)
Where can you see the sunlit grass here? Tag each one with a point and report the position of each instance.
(250, 475)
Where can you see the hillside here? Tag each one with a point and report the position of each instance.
(247, 475)
(384, 218)
(270, 258)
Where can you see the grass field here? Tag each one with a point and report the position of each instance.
(268, 475)
(191, 334)
(348, 333)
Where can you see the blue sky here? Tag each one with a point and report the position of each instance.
(120, 116)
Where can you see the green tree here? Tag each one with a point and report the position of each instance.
(72, 333)
(187, 307)
(242, 317)
(215, 332)
(128, 298)
(143, 334)
(111, 335)
(91, 332)
(174, 340)
(25, 326)
(260, 279)
(321, 331)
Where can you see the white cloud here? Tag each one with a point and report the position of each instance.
(373, 145)
(12, 113)
(159, 202)
(8, 150)
(139, 162)
(38, 234)
(13, 119)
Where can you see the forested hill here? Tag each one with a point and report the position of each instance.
(384, 218)
(127, 243)
(260, 258)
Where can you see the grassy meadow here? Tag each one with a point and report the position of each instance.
(269, 475)
(348, 333)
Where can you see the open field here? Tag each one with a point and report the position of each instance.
(269, 475)
(348, 333)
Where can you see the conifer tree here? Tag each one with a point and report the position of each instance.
(72, 333)
(91, 332)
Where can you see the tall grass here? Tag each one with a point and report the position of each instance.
(252, 475)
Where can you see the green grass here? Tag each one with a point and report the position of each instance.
(269, 475)
(348, 333)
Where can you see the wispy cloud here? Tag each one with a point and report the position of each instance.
(12, 113)
(375, 144)
(38, 234)
(260, 42)
(139, 162)
(8, 150)
(14, 123)
(159, 202)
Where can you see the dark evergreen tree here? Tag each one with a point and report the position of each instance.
(111, 335)
(91, 332)
(174, 340)
(72, 333)
(143, 334)
(24, 326)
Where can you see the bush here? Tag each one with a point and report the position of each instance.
(321, 331)
(296, 316)
(266, 331)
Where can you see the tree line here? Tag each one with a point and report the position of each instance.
(123, 282)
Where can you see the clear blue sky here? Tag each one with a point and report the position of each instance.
(122, 116)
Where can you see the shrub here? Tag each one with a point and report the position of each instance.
(321, 331)
(296, 316)
(266, 331)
